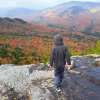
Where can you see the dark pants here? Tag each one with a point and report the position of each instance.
(59, 74)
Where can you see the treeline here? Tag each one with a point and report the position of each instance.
(31, 50)
(10, 55)
(17, 55)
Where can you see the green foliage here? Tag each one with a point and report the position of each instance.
(89, 32)
(55, 26)
(75, 37)
(33, 53)
(4, 51)
(72, 53)
(46, 57)
(17, 55)
(95, 49)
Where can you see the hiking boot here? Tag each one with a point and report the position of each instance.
(58, 89)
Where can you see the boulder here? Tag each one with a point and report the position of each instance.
(97, 62)
(16, 77)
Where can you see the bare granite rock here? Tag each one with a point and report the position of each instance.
(97, 62)
(36, 82)
(94, 55)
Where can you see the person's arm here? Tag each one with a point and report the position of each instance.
(68, 59)
(52, 58)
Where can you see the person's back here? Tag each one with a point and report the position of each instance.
(58, 57)
(60, 53)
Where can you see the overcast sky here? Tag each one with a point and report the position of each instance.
(36, 4)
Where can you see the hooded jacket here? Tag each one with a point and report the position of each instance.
(60, 53)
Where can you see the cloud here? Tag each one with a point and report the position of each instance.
(34, 3)
(27, 3)
(7, 3)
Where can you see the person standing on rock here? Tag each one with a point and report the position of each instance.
(58, 58)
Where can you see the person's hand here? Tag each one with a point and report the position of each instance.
(51, 66)
(68, 67)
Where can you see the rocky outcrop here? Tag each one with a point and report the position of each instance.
(36, 82)
(97, 62)
(93, 56)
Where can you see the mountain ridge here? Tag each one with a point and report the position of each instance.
(73, 16)
(23, 13)
(17, 26)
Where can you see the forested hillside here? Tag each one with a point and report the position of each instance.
(25, 43)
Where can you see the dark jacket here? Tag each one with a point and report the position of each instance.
(59, 53)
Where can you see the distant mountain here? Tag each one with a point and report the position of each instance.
(19, 11)
(3, 11)
(75, 16)
(23, 13)
(19, 27)
(9, 20)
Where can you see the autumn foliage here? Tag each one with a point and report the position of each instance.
(31, 50)
(24, 43)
